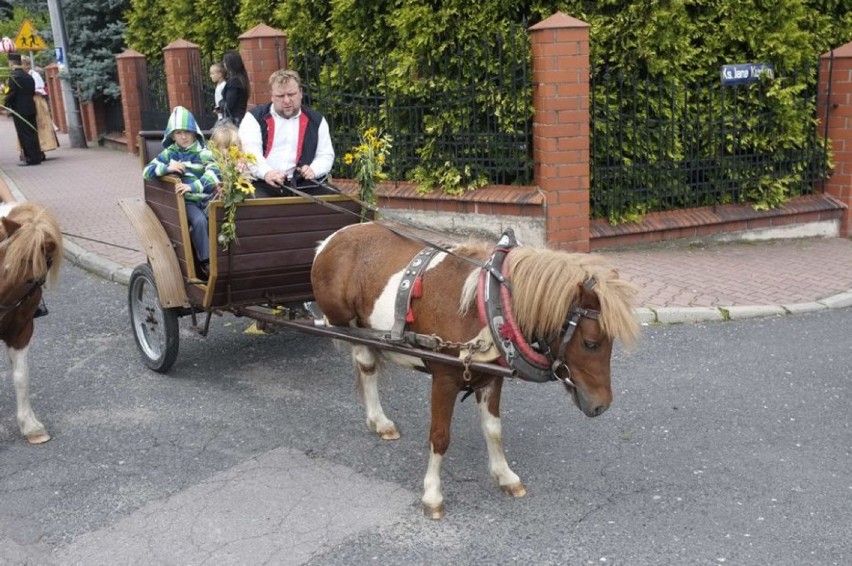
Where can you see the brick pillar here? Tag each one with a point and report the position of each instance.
(54, 96)
(839, 111)
(560, 77)
(132, 76)
(182, 66)
(264, 51)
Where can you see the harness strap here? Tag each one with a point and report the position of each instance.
(410, 287)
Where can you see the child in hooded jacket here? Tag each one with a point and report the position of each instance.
(186, 156)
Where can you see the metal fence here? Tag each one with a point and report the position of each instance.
(660, 146)
(654, 145)
(154, 97)
(471, 108)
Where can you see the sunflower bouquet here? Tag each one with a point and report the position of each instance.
(368, 158)
(234, 188)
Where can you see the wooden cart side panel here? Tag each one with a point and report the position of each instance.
(272, 259)
(170, 209)
(159, 250)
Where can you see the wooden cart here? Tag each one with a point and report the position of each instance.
(265, 275)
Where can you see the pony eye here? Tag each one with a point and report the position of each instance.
(591, 346)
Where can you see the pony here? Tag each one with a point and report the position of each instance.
(30, 256)
(571, 305)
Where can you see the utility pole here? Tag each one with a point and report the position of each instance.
(72, 111)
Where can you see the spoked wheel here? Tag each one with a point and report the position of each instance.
(154, 328)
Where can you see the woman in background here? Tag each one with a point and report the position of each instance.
(236, 92)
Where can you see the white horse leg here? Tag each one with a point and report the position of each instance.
(366, 365)
(433, 500)
(444, 393)
(27, 421)
(488, 401)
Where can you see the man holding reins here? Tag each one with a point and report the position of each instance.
(286, 139)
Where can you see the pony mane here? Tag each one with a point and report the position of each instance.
(27, 249)
(545, 283)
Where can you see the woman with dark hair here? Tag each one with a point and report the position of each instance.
(236, 92)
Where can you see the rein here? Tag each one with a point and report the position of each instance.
(34, 286)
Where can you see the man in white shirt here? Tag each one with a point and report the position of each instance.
(286, 138)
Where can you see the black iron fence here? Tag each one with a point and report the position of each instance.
(661, 146)
(470, 109)
(654, 145)
(154, 97)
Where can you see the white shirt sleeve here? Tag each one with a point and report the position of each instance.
(324, 158)
(39, 82)
(252, 143)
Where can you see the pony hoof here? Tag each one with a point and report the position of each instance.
(515, 490)
(392, 434)
(435, 513)
(38, 438)
(386, 433)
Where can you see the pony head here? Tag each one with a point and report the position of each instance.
(30, 246)
(548, 287)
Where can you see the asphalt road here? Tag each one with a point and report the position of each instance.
(727, 443)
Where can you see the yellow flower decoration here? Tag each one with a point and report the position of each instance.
(369, 158)
(234, 188)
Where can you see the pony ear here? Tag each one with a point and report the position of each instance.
(587, 296)
(9, 226)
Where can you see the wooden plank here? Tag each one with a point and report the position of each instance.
(158, 248)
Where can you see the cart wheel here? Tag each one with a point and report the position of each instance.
(154, 328)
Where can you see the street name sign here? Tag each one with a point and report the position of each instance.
(745, 73)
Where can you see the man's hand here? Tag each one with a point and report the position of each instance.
(307, 172)
(275, 178)
(182, 189)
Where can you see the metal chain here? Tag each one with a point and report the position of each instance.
(478, 346)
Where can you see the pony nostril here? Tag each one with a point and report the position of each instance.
(599, 410)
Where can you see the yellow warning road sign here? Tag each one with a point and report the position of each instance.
(28, 38)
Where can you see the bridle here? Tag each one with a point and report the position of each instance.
(568, 328)
(532, 362)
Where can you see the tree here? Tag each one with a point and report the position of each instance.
(95, 36)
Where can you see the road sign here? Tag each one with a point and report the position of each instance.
(745, 73)
(28, 38)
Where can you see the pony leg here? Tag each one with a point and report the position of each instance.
(444, 393)
(27, 421)
(488, 401)
(366, 364)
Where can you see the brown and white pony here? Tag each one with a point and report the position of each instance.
(30, 255)
(355, 277)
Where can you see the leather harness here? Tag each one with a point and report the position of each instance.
(410, 287)
(532, 362)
